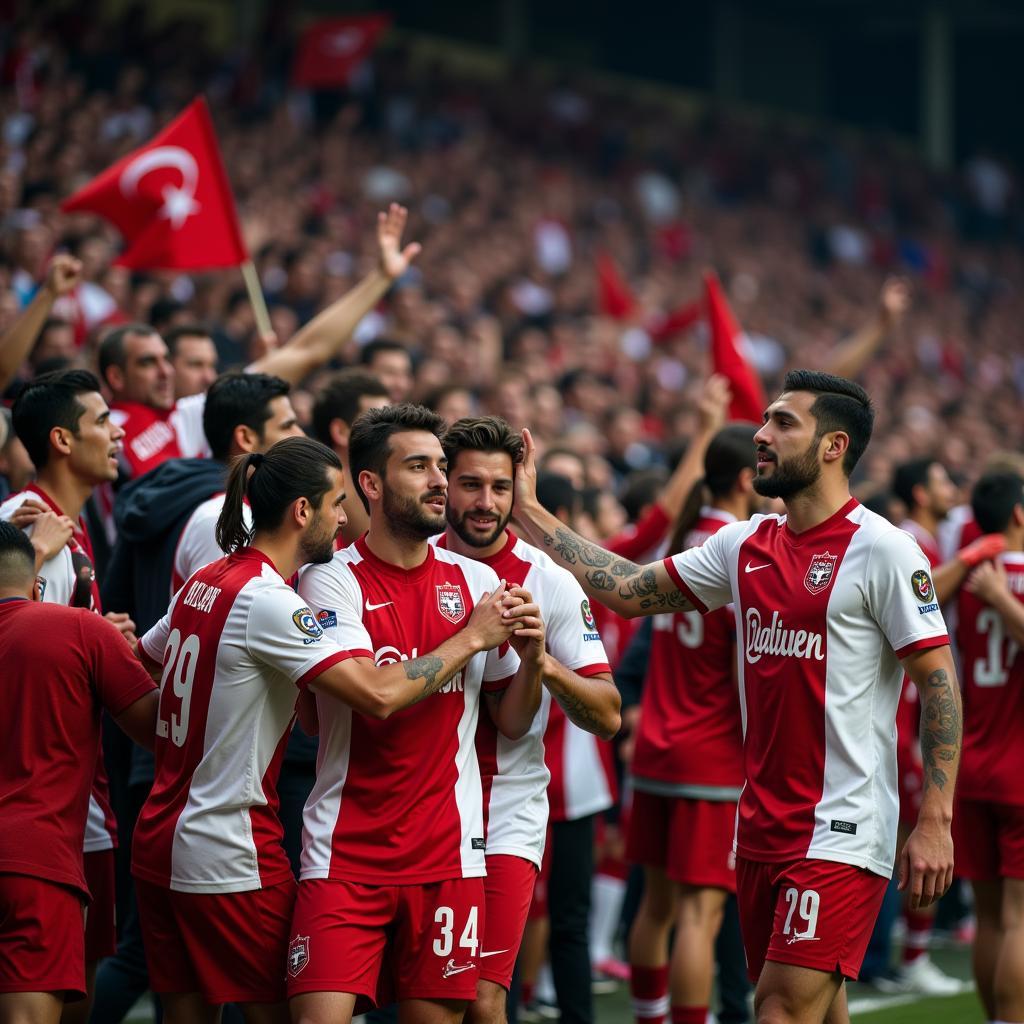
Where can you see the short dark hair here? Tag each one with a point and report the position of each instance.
(17, 556)
(339, 399)
(994, 498)
(482, 434)
(51, 400)
(841, 405)
(111, 350)
(293, 468)
(237, 399)
(369, 443)
(175, 334)
(909, 475)
(369, 351)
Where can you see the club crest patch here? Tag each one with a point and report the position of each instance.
(298, 954)
(588, 616)
(450, 603)
(922, 584)
(819, 572)
(306, 621)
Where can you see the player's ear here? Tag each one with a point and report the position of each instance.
(1018, 515)
(745, 480)
(370, 484)
(836, 444)
(60, 438)
(245, 438)
(339, 430)
(302, 511)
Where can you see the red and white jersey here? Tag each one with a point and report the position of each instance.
(399, 801)
(992, 676)
(69, 579)
(235, 645)
(690, 741)
(514, 773)
(197, 545)
(822, 619)
(928, 544)
(153, 436)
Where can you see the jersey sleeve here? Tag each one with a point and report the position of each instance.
(283, 633)
(336, 600)
(500, 665)
(187, 420)
(570, 629)
(118, 677)
(198, 544)
(702, 573)
(901, 596)
(153, 642)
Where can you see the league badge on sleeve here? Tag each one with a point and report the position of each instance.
(922, 584)
(450, 603)
(820, 572)
(306, 621)
(589, 622)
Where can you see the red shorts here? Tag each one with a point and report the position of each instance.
(433, 931)
(989, 840)
(809, 913)
(42, 938)
(508, 890)
(539, 903)
(690, 839)
(228, 946)
(100, 921)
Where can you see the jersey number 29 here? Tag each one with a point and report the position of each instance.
(176, 698)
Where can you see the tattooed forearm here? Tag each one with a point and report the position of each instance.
(572, 548)
(429, 668)
(940, 727)
(579, 713)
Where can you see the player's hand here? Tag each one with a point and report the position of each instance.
(713, 404)
(926, 863)
(987, 582)
(124, 625)
(894, 300)
(528, 637)
(62, 275)
(488, 622)
(982, 549)
(394, 260)
(27, 513)
(526, 475)
(50, 532)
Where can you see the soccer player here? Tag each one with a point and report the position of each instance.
(49, 743)
(687, 767)
(482, 454)
(65, 426)
(345, 396)
(394, 827)
(832, 604)
(989, 820)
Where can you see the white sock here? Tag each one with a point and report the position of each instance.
(606, 896)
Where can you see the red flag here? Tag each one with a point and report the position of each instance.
(170, 199)
(331, 49)
(678, 320)
(614, 297)
(748, 401)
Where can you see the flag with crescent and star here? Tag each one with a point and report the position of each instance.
(170, 199)
(331, 49)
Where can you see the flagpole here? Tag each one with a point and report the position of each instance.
(258, 302)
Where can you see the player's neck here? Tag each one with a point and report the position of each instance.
(738, 506)
(813, 505)
(68, 491)
(1014, 540)
(926, 521)
(455, 543)
(282, 551)
(404, 552)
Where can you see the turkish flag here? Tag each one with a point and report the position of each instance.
(170, 199)
(614, 297)
(748, 401)
(331, 49)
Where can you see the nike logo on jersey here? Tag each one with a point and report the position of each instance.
(492, 952)
(374, 607)
(451, 968)
(750, 567)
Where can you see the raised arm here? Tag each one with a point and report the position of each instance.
(62, 275)
(323, 337)
(380, 691)
(926, 861)
(625, 587)
(949, 577)
(854, 353)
